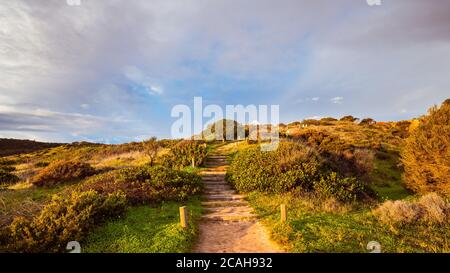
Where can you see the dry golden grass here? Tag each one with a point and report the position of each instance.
(428, 209)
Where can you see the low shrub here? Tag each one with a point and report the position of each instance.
(341, 156)
(429, 209)
(146, 184)
(182, 153)
(291, 165)
(62, 171)
(7, 177)
(64, 219)
(344, 189)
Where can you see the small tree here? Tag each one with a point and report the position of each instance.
(426, 153)
(349, 118)
(367, 121)
(151, 148)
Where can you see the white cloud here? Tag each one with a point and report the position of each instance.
(60, 58)
(337, 100)
(137, 76)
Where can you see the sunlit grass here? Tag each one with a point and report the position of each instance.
(313, 230)
(147, 229)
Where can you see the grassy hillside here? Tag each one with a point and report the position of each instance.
(332, 174)
(19, 146)
(118, 171)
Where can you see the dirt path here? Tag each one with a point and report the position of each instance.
(229, 224)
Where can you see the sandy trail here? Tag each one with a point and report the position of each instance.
(229, 224)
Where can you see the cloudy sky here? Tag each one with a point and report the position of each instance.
(111, 70)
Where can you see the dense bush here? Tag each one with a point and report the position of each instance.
(349, 119)
(322, 141)
(341, 156)
(352, 162)
(62, 171)
(367, 121)
(64, 219)
(344, 189)
(182, 153)
(146, 184)
(426, 153)
(7, 177)
(430, 209)
(291, 165)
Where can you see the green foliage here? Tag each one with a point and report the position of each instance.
(426, 153)
(344, 189)
(182, 153)
(291, 165)
(311, 229)
(64, 219)
(224, 129)
(341, 156)
(146, 184)
(149, 229)
(151, 148)
(62, 171)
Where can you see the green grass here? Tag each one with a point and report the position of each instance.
(146, 229)
(311, 230)
(387, 178)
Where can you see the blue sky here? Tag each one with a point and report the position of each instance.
(111, 71)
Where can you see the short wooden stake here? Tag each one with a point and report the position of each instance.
(193, 163)
(283, 213)
(183, 217)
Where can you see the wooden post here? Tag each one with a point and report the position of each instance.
(193, 163)
(283, 213)
(183, 217)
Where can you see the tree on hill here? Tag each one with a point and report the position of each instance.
(328, 119)
(151, 148)
(367, 121)
(349, 118)
(426, 154)
(225, 129)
